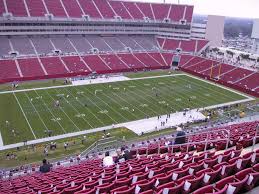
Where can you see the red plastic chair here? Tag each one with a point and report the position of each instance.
(209, 189)
(172, 187)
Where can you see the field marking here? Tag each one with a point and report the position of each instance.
(213, 106)
(125, 108)
(110, 107)
(25, 116)
(36, 111)
(82, 93)
(64, 86)
(1, 140)
(97, 105)
(119, 105)
(136, 94)
(51, 112)
(74, 109)
(78, 133)
(126, 85)
(65, 112)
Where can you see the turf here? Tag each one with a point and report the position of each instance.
(81, 109)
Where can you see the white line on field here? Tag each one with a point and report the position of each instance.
(25, 116)
(51, 112)
(36, 111)
(65, 113)
(52, 87)
(1, 140)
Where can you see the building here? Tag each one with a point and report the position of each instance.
(255, 37)
(212, 30)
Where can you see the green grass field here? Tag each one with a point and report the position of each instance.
(30, 113)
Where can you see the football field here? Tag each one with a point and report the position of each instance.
(28, 115)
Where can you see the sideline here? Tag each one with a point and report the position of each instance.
(108, 81)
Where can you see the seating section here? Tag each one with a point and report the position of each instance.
(147, 60)
(99, 9)
(55, 7)
(54, 66)
(120, 10)
(8, 70)
(105, 9)
(145, 8)
(160, 11)
(42, 45)
(72, 65)
(96, 64)
(133, 10)
(30, 67)
(90, 9)
(72, 8)
(189, 14)
(176, 13)
(115, 63)
(132, 61)
(36, 8)
(250, 82)
(154, 170)
(75, 64)
(17, 8)
(22, 45)
(190, 46)
(61, 43)
(239, 78)
(81, 44)
(114, 43)
(5, 47)
(71, 44)
(146, 42)
(236, 74)
(2, 8)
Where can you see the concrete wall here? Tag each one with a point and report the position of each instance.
(215, 30)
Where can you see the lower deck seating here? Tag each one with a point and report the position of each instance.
(238, 78)
(53, 66)
(75, 64)
(30, 67)
(8, 70)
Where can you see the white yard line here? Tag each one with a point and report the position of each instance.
(50, 112)
(110, 107)
(248, 98)
(36, 111)
(64, 86)
(25, 116)
(75, 110)
(65, 113)
(1, 140)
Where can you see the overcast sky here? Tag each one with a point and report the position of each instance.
(233, 8)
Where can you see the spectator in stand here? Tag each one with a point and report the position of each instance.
(180, 136)
(126, 153)
(108, 160)
(45, 167)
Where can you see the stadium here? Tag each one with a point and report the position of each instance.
(123, 97)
